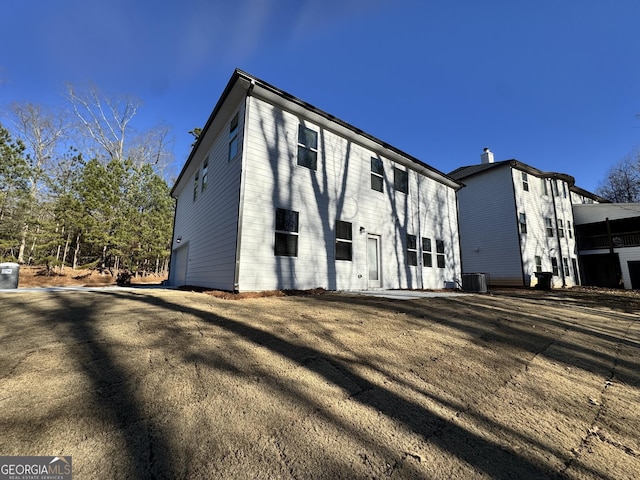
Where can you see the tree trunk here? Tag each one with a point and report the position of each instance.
(23, 243)
(76, 252)
(65, 252)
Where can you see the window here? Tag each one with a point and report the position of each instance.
(555, 187)
(545, 188)
(525, 181)
(344, 241)
(560, 228)
(307, 147)
(538, 263)
(440, 253)
(549, 224)
(286, 233)
(196, 182)
(564, 190)
(233, 137)
(426, 253)
(569, 231)
(377, 174)
(205, 169)
(554, 266)
(565, 266)
(523, 223)
(401, 180)
(412, 250)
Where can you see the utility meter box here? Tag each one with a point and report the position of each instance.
(9, 275)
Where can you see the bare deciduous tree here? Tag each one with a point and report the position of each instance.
(622, 183)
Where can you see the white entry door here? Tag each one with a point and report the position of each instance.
(373, 259)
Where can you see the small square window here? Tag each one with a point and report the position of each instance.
(401, 180)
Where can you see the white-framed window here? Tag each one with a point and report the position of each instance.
(554, 266)
(523, 223)
(377, 174)
(569, 230)
(286, 240)
(427, 259)
(412, 250)
(564, 189)
(560, 228)
(196, 185)
(307, 147)
(525, 181)
(344, 241)
(545, 187)
(440, 256)
(205, 173)
(401, 180)
(233, 137)
(538, 263)
(549, 225)
(565, 266)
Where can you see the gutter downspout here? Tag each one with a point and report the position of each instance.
(555, 214)
(243, 169)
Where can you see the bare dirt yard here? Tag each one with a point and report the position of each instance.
(146, 383)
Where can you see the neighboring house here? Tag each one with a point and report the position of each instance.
(277, 194)
(517, 221)
(609, 243)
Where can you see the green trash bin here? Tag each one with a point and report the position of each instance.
(544, 280)
(9, 275)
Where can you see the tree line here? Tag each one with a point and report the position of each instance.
(81, 188)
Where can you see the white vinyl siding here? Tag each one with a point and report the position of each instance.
(489, 235)
(208, 227)
(340, 189)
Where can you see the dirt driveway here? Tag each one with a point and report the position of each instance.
(172, 384)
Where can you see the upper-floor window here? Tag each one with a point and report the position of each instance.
(545, 188)
(233, 137)
(377, 174)
(523, 223)
(569, 231)
(560, 228)
(565, 266)
(344, 240)
(564, 190)
(525, 181)
(440, 259)
(412, 250)
(555, 187)
(196, 184)
(286, 243)
(307, 147)
(426, 253)
(538, 263)
(205, 173)
(400, 180)
(549, 224)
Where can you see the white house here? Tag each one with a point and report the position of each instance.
(609, 243)
(277, 194)
(516, 223)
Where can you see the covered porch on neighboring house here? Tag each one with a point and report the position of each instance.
(609, 249)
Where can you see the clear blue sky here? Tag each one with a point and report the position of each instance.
(553, 83)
